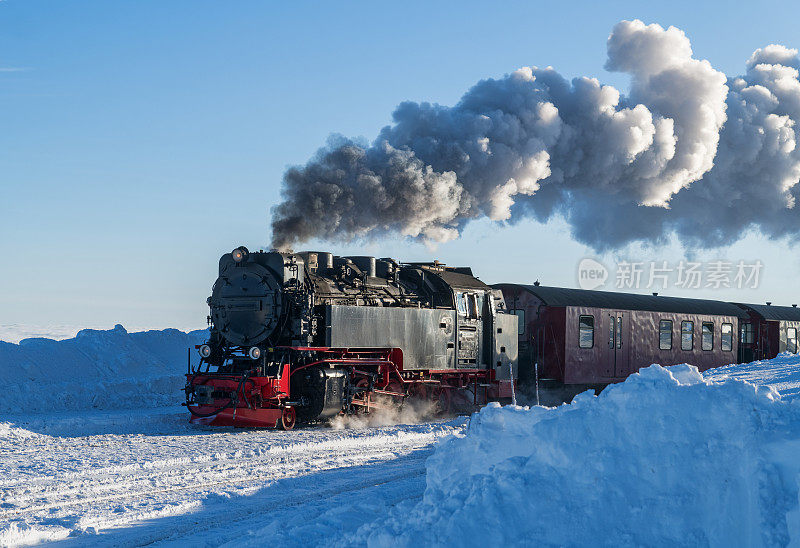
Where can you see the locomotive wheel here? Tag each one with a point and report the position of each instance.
(417, 392)
(421, 399)
(443, 401)
(288, 418)
(391, 401)
(395, 387)
(361, 383)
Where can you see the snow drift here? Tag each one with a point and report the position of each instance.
(666, 458)
(95, 370)
(781, 373)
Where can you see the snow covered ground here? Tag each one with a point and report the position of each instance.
(668, 457)
(102, 460)
(128, 479)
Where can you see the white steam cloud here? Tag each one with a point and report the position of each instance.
(689, 151)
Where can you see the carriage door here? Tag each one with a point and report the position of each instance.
(619, 343)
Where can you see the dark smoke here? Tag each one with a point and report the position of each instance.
(688, 152)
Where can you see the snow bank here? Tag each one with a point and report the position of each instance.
(665, 458)
(782, 373)
(15, 332)
(95, 370)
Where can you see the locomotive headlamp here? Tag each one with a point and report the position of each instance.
(254, 353)
(239, 254)
(204, 351)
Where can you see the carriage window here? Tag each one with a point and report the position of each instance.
(520, 313)
(687, 335)
(586, 331)
(708, 336)
(748, 333)
(665, 335)
(461, 304)
(791, 340)
(726, 339)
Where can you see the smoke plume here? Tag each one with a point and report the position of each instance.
(688, 152)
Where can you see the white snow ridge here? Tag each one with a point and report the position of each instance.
(669, 457)
(109, 369)
(664, 459)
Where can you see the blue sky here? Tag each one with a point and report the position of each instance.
(140, 140)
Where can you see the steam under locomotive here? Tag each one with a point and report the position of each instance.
(301, 337)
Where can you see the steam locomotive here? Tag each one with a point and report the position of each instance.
(303, 337)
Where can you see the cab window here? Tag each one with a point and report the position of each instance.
(461, 304)
(472, 305)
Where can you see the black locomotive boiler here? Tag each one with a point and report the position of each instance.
(300, 337)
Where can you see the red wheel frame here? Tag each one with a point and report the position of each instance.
(288, 418)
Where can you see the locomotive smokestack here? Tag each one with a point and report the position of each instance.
(686, 140)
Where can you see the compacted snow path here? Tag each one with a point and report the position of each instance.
(133, 479)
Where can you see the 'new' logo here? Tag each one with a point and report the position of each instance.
(591, 274)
